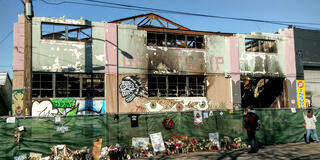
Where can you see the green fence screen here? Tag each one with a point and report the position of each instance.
(278, 126)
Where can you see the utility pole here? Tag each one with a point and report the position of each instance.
(28, 13)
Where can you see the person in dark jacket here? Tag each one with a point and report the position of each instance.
(251, 124)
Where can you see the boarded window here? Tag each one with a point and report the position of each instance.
(176, 86)
(175, 40)
(258, 45)
(67, 85)
(54, 31)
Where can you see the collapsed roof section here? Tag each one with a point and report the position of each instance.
(156, 23)
(151, 20)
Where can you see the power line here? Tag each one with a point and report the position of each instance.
(6, 37)
(202, 15)
(138, 8)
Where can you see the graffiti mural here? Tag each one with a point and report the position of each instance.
(43, 109)
(17, 102)
(169, 105)
(67, 107)
(131, 87)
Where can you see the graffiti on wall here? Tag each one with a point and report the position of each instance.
(130, 88)
(67, 107)
(17, 102)
(169, 105)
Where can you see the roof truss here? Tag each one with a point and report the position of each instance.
(151, 20)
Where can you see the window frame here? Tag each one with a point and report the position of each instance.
(66, 32)
(96, 79)
(175, 40)
(260, 42)
(165, 89)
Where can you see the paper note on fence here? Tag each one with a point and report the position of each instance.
(140, 142)
(197, 117)
(157, 142)
(214, 137)
(11, 120)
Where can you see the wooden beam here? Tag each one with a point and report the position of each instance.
(27, 59)
(160, 22)
(191, 32)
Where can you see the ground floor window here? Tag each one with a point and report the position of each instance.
(262, 92)
(67, 85)
(176, 86)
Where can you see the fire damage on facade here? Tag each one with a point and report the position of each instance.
(148, 63)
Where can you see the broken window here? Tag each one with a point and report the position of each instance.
(176, 86)
(156, 39)
(194, 41)
(259, 45)
(171, 40)
(262, 92)
(66, 32)
(93, 85)
(175, 40)
(42, 85)
(67, 85)
(180, 41)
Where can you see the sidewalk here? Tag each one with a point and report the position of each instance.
(297, 151)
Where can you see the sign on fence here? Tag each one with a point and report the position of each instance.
(140, 142)
(157, 142)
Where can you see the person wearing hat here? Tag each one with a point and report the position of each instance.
(310, 124)
(251, 124)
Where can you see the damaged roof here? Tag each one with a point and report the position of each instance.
(156, 23)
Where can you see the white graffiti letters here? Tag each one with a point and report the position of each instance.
(43, 109)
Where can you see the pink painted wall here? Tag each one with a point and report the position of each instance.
(289, 53)
(111, 48)
(290, 66)
(18, 44)
(235, 70)
(234, 59)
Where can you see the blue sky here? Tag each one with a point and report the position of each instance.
(276, 10)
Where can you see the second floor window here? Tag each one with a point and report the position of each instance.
(66, 32)
(175, 40)
(260, 45)
(176, 86)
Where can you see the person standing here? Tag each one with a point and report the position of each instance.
(310, 124)
(251, 124)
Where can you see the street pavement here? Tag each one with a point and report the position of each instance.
(294, 151)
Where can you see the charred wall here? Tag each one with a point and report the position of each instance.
(137, 60)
